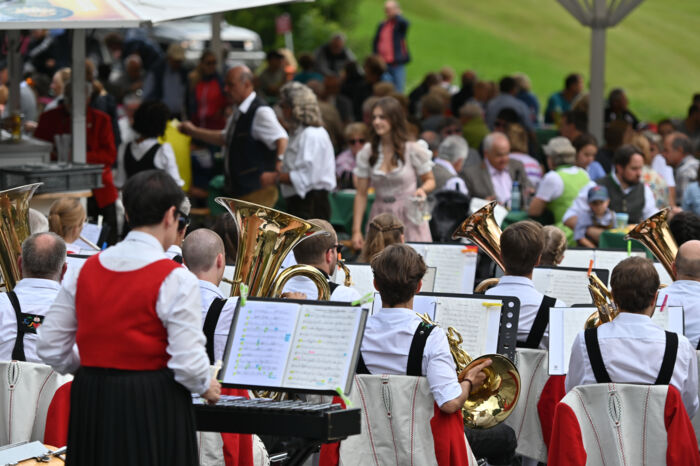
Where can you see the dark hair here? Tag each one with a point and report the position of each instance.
(150, 119)
(522, 244)
(306, 61)
(507, 84)
(615, 95)
(44, 260)
(393, 111)
(375, 65)
(584, 140)
(312, 249)
(634, 283)
(682, 142)
(685, 226)
(693, 109)
(148, 195)
(225, 227)
(571, 79)
(578, 119)
(384, 230)
(614, 133)
(397, 271)
(623, 154)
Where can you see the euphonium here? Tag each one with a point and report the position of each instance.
(655, 234)
(481, 228)
(602, 300)
(265, 237)
(494, 401)
(14, 229)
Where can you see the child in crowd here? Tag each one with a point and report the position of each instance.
(588, 228)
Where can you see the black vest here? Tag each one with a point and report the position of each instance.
(631, 203)
(147, 162)
(247, 157)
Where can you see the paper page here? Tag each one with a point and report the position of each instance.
(580, 258)
(470, 317)
(322, 348)
(421, 249)
(670, 319)
(224, 286)
(570, 286)
(664, 277)
(455, 269)
(257, 352)
(566, 324)
(421, 305)
(91, 233)
(609, 259)
(429, 280)
(362, 278)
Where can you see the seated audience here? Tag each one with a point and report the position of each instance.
(685, 290)
(651, 177)
(522, 245)
(590, 226)
(22, 310)
(561, 101)
(631, 348)
(586, 149)
(519, 151)
(452, 152)
(356, 138)
(618, 108)
(679, 153)
(66, 219)
(384, 230)
(146, 153)
(554, 245)
(691, 196)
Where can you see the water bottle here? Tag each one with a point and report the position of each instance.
(515, 197)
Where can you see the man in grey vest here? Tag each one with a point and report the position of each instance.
(253, 141)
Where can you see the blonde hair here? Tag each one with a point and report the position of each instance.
(355, 129)
(302, 100)
(554, 245)
(65, 214)
(384, 230)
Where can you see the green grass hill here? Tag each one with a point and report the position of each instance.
(654, 54)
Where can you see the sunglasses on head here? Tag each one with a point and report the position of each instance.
(182, 220)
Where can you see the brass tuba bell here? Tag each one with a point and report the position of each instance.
(602, 300)
(494, 401)
(655, 234)
(481, 229)
(265, 237)
(14, 229)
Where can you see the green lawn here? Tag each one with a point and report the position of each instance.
(653, 53)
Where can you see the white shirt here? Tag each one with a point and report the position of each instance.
(502, 183)
(209, 292)
(632, 347)
(387, 341)
(659, 165)
(164, 159)
(530, 301)
(580, 206)
(552, 185)
(174, 251)
(685, 293)
(310, 162)
(35, 296)
(304, 285)
(456, 183)
(178, 306)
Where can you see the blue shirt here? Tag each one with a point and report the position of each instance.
(556, 104)
(595, 170)
(691, 198)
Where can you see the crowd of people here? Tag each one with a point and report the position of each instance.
(289, 135)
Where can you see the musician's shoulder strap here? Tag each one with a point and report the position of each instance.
(594, 355)
(178, 259)
(18, 350)
(361, 366)
(213, 314)
(669, 361)
(415, 354)
(540, 324)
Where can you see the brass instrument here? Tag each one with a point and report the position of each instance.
(655, 234)
(494, 401)
(348, 279)
(265, 237)
(481, 228)
(603, 301)
(14, 229)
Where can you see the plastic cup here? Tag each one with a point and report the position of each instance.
(621, 220)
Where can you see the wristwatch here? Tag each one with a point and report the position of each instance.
(280, 157)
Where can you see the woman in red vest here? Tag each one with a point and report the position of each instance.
(136, 320)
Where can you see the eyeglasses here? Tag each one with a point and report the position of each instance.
(183, 220)
(337, 247)
(355, 141)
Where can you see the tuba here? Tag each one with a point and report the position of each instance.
(602, 300)
(655, 234)
(494, 401)
(265, 237)
(14, 229)
(481, 228)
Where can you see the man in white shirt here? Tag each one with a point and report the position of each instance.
(253, 141)
(22, 310)
(522, 244)
(452, 153)
(685, 290)
(320, 251)
(631, 348)
(204, 255)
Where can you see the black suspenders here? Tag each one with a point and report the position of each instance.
(539, 325)
(598, 366)
(415, 353)
(26, 323)
(210, 322)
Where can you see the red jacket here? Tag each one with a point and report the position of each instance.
(100, 144)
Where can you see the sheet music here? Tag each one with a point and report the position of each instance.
(671, 319)
(422, 304)
(602, 259)
(322, 347)
(363, 278)
(570, 286)
(471, 318)
(609, 259)
(90, 232)
(455, 268)
(225, 287)
(429, 279)
(257, 352)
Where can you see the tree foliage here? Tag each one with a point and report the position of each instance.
(312, 23)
